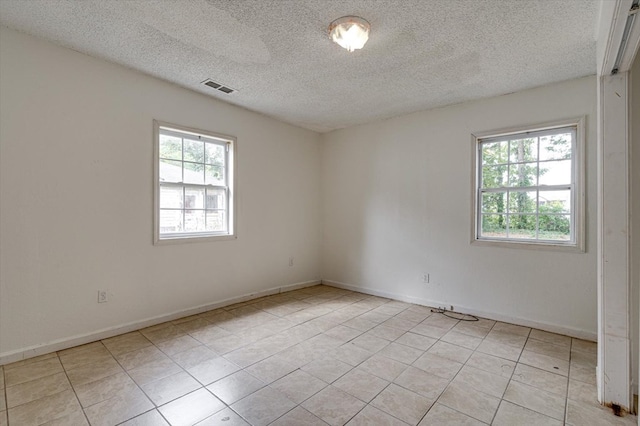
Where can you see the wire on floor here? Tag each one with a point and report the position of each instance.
(455, 315)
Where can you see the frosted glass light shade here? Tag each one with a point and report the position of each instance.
(350, 32)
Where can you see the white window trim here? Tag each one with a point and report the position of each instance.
(578, 212)
(232, 171)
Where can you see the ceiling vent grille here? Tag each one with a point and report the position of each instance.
(218, 86)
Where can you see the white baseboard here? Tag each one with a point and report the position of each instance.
(65, 343)
(69, 342)
(541, 325)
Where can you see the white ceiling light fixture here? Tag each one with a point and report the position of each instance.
(350, 32)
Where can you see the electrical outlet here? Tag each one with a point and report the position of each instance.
(425, 278)
(291, 261)
(102, 296)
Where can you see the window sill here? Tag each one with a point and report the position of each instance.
(182, 239)
(529, 245)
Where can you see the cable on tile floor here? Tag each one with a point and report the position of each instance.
(455, 315)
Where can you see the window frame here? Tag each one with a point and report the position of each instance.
(577, 183)
(231, 179)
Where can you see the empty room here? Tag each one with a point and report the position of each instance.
(319, 212)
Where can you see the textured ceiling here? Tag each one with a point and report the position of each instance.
(277, 53)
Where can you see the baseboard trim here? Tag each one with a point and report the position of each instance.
(553, 328)
(81, 339)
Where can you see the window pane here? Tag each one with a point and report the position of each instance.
(194, 221)
(170, 221)
(555, 202)
(216, 198)
(494, 225)
(193, 151)
(214, 154)
(555, 147)
(214, 175)
(170, 147)
(192, 195)
(555, 227)
(194, 198)
(194, 173)
(523, 174)
(494, 176)
(216, 221)
(522, 202)
(537, 201)
(170, 197)
(494, 153)
(555, 173)
(522, 226)
(523, 150)
(494, 202)
(170, 171)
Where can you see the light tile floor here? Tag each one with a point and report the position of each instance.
(314, 356)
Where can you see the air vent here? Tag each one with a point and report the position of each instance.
(218, 86)
(212, 84)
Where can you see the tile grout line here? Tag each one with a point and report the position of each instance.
(435, 401)
(73, 389)
(347, 372)
(356, 366)
(6, 399)
(124, 370)
(202, 385)
(243, 369)
(511, 377)
(456, 375)
(391, 381)
(155, 407)
(566, 400)
(463, 365)
(297, 369)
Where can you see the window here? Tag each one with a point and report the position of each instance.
(194, 184)
(528, 186)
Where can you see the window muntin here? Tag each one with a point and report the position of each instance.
(194, 184)
(526, 187)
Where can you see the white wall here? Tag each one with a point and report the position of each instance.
(76, 199)
(397, 203)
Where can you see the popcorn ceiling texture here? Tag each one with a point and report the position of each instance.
(277, 53)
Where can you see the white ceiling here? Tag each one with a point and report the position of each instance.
(277, 54)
